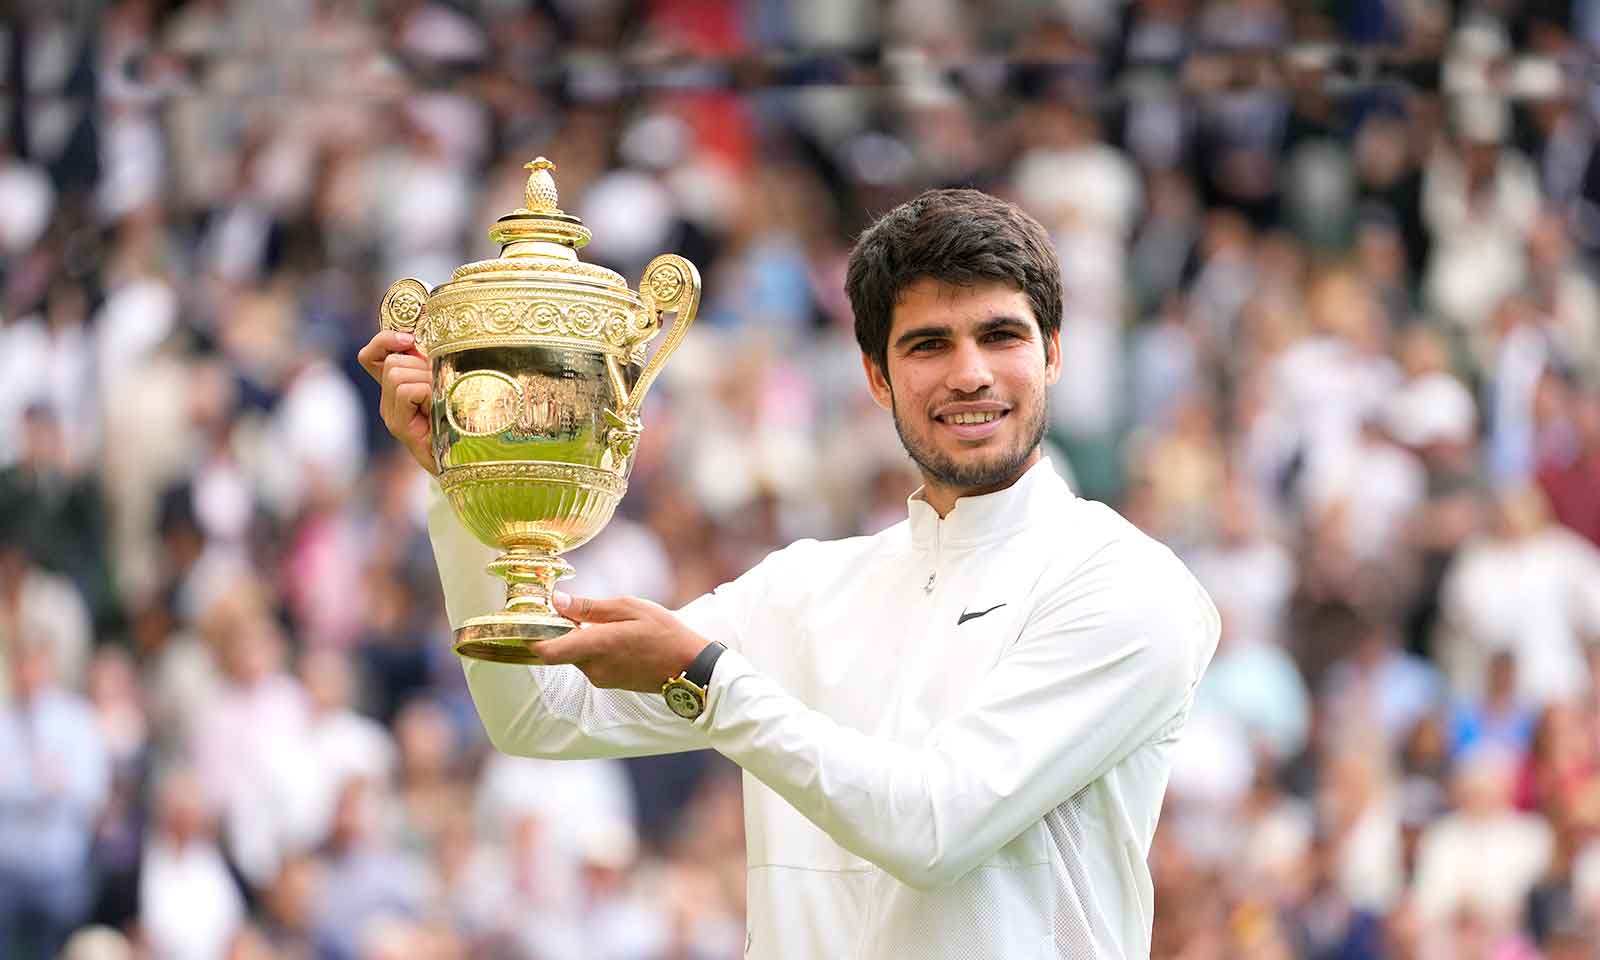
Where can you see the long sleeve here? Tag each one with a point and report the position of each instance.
(1105, 665)
(545, 711)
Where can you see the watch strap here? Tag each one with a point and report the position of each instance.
(699, 669)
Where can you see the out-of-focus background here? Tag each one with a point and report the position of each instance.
(1332, 332)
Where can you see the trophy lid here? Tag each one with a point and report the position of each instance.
(535, 292)
(540, 236)
(540, 218)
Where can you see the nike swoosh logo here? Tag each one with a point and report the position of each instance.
(965, 616)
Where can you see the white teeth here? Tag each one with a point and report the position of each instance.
(983, 417)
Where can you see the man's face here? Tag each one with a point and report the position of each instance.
(31, 669)
(966, 379)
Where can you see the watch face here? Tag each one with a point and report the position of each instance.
(683, 702)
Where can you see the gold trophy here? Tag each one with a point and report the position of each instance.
(539, 371)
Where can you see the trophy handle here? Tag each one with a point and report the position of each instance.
(670, 284)
(402, 309)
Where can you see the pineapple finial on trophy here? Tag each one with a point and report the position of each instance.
(539, 195)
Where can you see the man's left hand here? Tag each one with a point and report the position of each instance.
(624, 643)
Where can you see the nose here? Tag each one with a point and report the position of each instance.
(969, 369)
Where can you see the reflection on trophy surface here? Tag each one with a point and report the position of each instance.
(539, 372)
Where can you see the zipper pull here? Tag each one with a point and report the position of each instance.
(927, 588)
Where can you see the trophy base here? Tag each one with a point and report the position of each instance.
(503, 637)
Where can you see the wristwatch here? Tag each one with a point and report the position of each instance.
(686, 693)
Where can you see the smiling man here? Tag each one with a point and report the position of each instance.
(957, 732)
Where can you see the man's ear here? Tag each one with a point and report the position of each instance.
(878, 383)
(1052, 357)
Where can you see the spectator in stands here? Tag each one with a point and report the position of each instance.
(54, 776)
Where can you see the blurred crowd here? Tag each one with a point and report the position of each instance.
(1332, 331)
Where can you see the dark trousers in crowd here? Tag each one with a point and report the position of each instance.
(39, 910)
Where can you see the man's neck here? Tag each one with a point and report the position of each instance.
(942, 497)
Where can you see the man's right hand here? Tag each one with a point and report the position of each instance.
(392, 359)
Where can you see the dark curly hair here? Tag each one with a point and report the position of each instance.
(957, 236)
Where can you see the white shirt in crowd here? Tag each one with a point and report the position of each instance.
(1250, 582)
(1375, 485)
(1453, 852)
(1538, 597)
(956, 734)
(189, 905)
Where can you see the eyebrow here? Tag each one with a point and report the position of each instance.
(998, 322)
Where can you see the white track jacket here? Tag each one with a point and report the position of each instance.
(955, 733)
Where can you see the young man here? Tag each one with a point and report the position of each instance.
(957, 732)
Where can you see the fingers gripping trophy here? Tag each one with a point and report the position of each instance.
(538, 373)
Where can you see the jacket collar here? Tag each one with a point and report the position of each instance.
(990, 516)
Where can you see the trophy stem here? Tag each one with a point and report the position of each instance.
(531, 574)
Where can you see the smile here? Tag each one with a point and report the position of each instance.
(972, 426)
